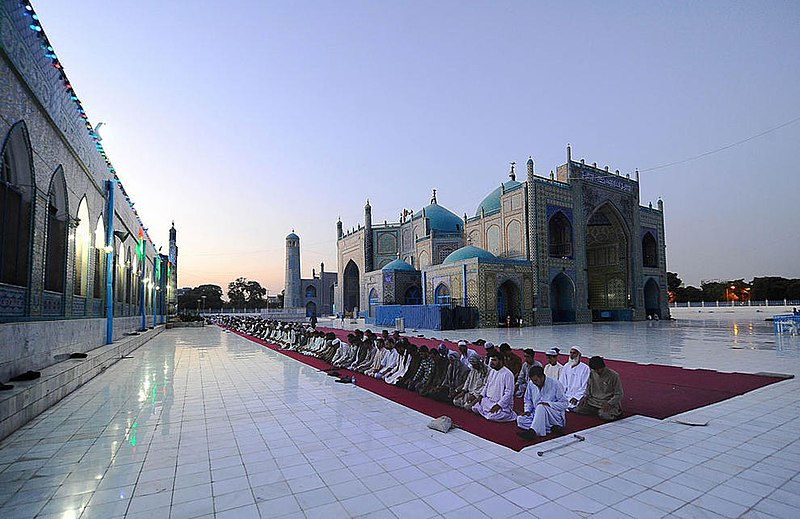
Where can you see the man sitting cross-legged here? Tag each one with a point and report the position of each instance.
(574, 376)
(496, 402)
(603, 396)
(545, 406)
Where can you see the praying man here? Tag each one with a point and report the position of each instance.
(574, 376)
(603, 396)
(496, 402)
(545, 406)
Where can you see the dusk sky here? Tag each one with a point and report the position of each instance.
(242, 121)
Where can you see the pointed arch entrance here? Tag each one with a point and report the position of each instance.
(352, 286)
(562, 299)
(507, 302)
(652, 298)
(607, 264)
(311, 309)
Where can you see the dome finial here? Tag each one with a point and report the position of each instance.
(511, 174)
(433, 197)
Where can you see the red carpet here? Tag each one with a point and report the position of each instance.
(650, 390)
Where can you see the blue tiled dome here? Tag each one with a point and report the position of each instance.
(292, 236)
(442, 219)
(468, 252)
(492, 201)
(398, 264)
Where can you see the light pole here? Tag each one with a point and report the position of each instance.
(204, 304)
(198, 307)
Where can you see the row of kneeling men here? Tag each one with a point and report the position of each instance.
(486, 385)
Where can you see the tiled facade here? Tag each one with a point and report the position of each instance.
(575, 247)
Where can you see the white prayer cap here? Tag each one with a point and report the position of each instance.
(336, 341)
(462, 343)
(552, 352)
(453, 355)
(488, 345)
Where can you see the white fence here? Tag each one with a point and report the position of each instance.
(731, 304)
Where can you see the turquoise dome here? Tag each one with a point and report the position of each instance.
(442, 219)
(491, 203)
(398, 264)
(468, 252)
(292, 236)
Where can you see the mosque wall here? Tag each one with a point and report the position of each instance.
(54, 172)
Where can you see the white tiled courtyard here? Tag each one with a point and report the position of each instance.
(203, 423)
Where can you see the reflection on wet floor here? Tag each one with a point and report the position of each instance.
(205, 423)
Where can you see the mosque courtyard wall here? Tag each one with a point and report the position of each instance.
(55, 179)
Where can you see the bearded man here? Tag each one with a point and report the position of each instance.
(574, 376)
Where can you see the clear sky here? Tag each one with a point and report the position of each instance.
(243, 120)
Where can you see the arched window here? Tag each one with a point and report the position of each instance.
(56, 252)
(99, 258)
(83, 244)
(134, 261)
(128, 275)
(413, 296)
(311, 291)
(649, 250)
(119, 280)
(514, 238)
(16, 188)
(560, 236)
(493, 239)
(442, 294)
(424, 260)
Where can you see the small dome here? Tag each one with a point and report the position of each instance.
(442, 219)
(292, 236)
(468, 252)
(530, 161)
(491, 203)
(398, 264)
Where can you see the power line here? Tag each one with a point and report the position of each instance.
(728, 146)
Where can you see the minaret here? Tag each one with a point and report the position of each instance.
(368, 257)
(291, 294)
(339, 232)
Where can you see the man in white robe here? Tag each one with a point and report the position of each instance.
(466, 353)
(389, 362)
(574, 376)
(342, 352)
(497, 398)
(545, 406)
(552, 368)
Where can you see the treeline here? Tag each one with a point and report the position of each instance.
(242, 293)
(770, 288)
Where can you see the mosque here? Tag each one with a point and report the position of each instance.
(576, 247)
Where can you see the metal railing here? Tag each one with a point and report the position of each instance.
(736, 304)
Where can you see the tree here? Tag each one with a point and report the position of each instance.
(213, 298)
(673, 281)
(245, 293)
(772, 287)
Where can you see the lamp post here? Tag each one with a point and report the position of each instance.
(198, 307)
(204, 304)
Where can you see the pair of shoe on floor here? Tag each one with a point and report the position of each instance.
(28, 375)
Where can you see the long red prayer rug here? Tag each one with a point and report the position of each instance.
(650, 390)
